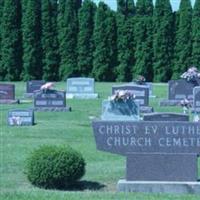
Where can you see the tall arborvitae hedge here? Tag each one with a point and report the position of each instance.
(85, 38)
(125, 39)
(32, 45)
(196, 34)
(68, 29)
(143, 39)
(2, 71)
(11, 62)
(163, 40)
(104, 36)
(50, 40)
(183, 47)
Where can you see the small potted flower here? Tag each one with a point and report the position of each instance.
(123, 102)
(192, 75)
(186, 104)
(140, 80)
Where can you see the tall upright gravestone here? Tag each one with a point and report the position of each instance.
(196, 102)
(50, 100)
(81, 88)
(177, 91)
(33, 86)
(141, 95)
(7, 93)
(161, 156)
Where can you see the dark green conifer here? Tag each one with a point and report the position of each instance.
(183, 46)
(11, 51)
(196, 34)
(85, 38)
(32, 45)
(50, 40)
(163, 40)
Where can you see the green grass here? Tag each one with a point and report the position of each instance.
(103, 170)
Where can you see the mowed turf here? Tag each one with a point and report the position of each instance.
(103, 170)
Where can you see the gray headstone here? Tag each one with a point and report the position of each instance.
(7, 91)
(141, 92)
(80, 85)
(165, 117)
(120, 110)
(180, 89)
(196, 102)
(21, 117)
(34, 85)
(49, 99)
(177, 141)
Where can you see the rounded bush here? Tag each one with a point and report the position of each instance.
(55, 167)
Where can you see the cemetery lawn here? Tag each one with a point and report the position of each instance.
(103, 170)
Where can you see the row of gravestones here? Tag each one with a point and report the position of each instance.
(45, 100)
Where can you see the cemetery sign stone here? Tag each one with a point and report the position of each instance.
(144, 141)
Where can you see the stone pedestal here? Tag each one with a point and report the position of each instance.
(167, 102)
(159, 187)
(146, 109)
(53, 109)
(9, 101)
(81, 95)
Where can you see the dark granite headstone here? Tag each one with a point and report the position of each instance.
(7, 91)
(175, 144)
(180, 89)
(141, 92)
(50, 100)
(21, 117)
(7, 94)
(196, 102)
(34, 85)
(165, 117)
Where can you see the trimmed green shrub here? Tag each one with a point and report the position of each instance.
(55, 167)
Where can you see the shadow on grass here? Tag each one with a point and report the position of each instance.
(85, 185)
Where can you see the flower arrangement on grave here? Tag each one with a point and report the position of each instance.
(186, 104)
(122, 102)
(192, 74)
(47, 86)
(140, 80)
(15, 120)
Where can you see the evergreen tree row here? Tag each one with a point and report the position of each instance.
(54, 40)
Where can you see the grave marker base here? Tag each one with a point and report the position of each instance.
(28, 95)
(146, 109)
(53, 109)
(166, 102)
(8, 101)
(159, 187)
(81, 95)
